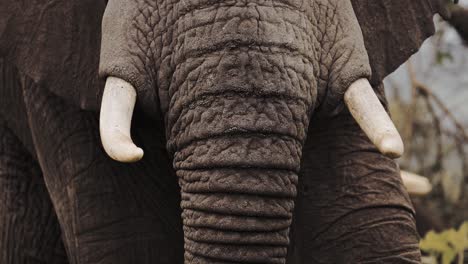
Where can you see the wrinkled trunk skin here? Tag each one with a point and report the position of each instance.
(236, 123)
(238, 174)
(237, 83)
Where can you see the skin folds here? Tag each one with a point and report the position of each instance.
(245, 78)
(250, 155)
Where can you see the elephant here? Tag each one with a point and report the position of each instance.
(262, 130)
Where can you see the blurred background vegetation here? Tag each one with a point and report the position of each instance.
(428, 100)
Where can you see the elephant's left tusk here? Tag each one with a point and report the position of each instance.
(415, 184)
(118, 102)
(371, 116)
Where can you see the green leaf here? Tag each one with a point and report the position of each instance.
(456, 239)
(434, 242)
(447, 244)
(448, 256)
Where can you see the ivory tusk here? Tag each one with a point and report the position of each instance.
(415, 184)
(118, 103)
(371, 116)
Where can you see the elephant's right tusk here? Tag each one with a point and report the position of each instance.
(118, 102)
(371, 116)
(415, 184)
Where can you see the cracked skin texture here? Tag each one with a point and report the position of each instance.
(250, 94)
(238, 82)
(351, 205)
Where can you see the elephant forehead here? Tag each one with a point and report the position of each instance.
(169, 32)
(245, 70)
(188, 48)
(223, 27)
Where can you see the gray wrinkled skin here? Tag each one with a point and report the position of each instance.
(250, 156)
(238, 82)
(176, 47)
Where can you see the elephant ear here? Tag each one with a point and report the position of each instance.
(394, 30)
(56, 43)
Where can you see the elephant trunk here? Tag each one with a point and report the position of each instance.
(240, 99)
(237, 197)
(237, 151)
(227, 220)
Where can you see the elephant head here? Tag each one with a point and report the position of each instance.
(327, 56)
(235, 83)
